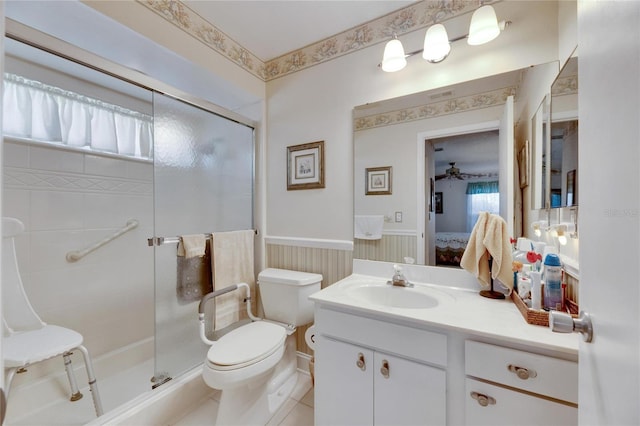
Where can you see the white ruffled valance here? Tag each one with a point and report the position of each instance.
(34, 110)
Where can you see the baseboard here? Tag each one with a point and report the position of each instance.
(302, 362)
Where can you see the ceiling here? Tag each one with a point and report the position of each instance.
(270, 28)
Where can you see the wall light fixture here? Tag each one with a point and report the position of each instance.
(562, 231)
(483, 28)
(538, 227)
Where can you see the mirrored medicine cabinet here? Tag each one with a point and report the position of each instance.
(554, 147)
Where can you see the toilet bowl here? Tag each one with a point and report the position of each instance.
(255, 364)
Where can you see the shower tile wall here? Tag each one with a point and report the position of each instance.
(69, 200)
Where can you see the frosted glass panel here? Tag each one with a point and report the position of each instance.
(203, 184)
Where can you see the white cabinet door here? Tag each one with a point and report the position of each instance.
(343, 384)
(407, 393)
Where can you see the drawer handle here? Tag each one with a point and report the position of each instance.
(482, 399)
(521, 372)
(360, 362)
(384, 370)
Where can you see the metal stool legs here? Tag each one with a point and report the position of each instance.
(93, 383)
(75, 392)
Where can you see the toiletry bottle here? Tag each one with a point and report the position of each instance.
(536, 292)
(553, 282)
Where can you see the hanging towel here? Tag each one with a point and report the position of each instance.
(193, 279)
(192, 245)
(368, 227)
(489, 237)
(232, 263)
(193, 269)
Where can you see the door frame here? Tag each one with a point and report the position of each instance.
(422, 137)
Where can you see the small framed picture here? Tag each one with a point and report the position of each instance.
(378, 180)
(438, 202)
(305, 166)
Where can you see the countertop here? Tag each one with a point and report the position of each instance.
(459, 309)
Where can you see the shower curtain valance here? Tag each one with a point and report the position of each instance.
(34, 110)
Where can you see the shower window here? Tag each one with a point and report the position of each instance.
(37, 111)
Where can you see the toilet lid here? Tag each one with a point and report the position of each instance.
(246, 345)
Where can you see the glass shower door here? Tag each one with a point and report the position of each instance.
(203, 183)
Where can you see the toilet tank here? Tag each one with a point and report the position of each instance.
(285, 295)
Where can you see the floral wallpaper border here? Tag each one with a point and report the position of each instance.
(411, 18)
(565, 86)
(449, 106)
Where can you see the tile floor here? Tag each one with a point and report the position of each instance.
(296, 411)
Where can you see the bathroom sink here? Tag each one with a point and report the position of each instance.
(395, 297)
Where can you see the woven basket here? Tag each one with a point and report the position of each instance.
(539, 317)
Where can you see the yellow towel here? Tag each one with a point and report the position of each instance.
(192, 245)
(489, 237)
(232, 263)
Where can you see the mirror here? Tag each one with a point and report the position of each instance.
(539, 138)
(405, 138)
(563, 153)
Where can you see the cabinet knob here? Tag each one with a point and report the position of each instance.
(521, 372)
(384, 370)
(360, 362)
(482, 399)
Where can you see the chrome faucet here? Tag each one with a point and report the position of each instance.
(398, 278)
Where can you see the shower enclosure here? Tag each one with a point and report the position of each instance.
(86, 156)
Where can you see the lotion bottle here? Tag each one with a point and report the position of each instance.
(536, 290)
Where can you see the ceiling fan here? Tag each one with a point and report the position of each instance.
(454, 173)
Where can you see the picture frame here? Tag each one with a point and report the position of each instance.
(523, 164)
(378, 180)
(305, 166)
(439, 205)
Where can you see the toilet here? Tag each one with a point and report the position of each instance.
(255, 364)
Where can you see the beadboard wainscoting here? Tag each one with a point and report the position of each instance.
(390, 248)
(332, 259)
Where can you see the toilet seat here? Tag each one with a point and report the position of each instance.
(246, 345)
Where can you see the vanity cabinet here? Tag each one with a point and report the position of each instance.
(364, 381)
(508, 386)
(359, 386)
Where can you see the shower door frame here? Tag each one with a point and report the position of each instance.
(30, 36)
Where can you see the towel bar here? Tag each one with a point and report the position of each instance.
(158, 241)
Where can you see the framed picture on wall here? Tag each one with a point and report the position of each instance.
(305, 166)
(378, 180)
(438, 202)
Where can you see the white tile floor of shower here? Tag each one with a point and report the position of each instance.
(296, 411)
(128, 384)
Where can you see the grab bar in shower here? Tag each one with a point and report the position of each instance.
(75, 255)
(158, 241)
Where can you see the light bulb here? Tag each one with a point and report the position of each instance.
(562, 239)
(394, 58)
(436, 44)
(484, 26)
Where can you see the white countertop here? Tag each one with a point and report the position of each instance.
(459, 309)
